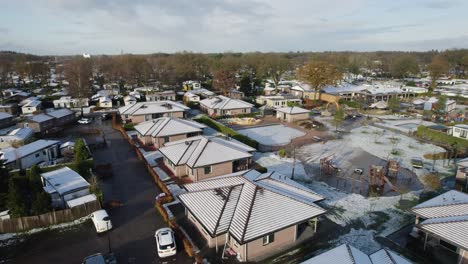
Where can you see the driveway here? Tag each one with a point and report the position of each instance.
(132, 239)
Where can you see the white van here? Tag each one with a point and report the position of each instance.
(101, 221)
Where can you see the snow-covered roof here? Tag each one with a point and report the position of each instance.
(451, 203)
(40, 118)
(463, 126)
(242, 205)
(18, 134)
(60, 113)
(453, 229)
(37, 145)
(34, 103)
(224, 103)
(293, 110)
(419, 101)
(463, 162)
(379, 105)
(4, 115)
(202, 151)
(81, 200)
(153, 107)
(347, 254)
(365, 88)
(63, 181)
(168, 126)
(446, 217)
(386, 256)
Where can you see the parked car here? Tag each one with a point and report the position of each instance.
(358, 171)
(84, 121)
(417, 163)
(165, 242)
(101, 221)
(99, 258)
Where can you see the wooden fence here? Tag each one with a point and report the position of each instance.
(20, 224)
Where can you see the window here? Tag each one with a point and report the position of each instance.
(457, 130)
(463, 133)
(448, 245)
(37, 155)
(268, 239)
(207, 169)
(166, 139)
(244, 110)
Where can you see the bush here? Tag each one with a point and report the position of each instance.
(227, 131)
(129, 127)
(282, 153)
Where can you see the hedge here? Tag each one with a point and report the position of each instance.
(253, 114)
(227, 131)
(441, 138)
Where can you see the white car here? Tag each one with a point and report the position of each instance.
(165, 242)
(101, 221)
(84, 121)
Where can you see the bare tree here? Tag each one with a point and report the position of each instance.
(437, 68)
(319, 74)
(274, 66)
(78, 71)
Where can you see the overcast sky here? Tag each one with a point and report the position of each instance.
(147, 26)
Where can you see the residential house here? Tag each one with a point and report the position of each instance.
(250, 214)
(11, 109)
(161, 96)
(162, 130)
(462, 174)
(6, 120)
(349, 254)
(105, 102)
(235, 94)
(366, 93)
(70, 103)
(129, 100)
(49, 121)
(225, 106)
(191, 85)
(64, 185)
(442, 222)
(145, 111)
(203, 157)
(430, 104)
(292, 114)
(278, 101)
(459, 131)
(31, 107)
(18, 135)
(40, 151)
(197, 95)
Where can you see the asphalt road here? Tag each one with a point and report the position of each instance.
(132, 238)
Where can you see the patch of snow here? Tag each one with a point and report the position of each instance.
(273, 162)
(275, 135)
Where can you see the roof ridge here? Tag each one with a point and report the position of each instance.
(183, 154)
(222, 209)
(163, 124)
(206, 141)
(446, 222)
(292, 198)
(390, 256)
(442, 205)
(348, 248)
(249, 214)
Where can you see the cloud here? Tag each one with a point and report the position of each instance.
(4, 30)
(440, 4)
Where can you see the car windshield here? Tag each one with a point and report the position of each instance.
(106, 218)
(169, 246)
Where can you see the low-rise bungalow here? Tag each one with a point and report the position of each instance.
(69, 102)
(222, 105)
(105, 102)
(162, 130)
(11, 109)
(18, 135)
(6, 120)
(31, 107)
(129, 100)
(197, 95)
(349, 254)
(64, 185)
(459, 131)
(250, 214)
(292, 114)
(50, 121)
(161, 96)
(145, 111)
(430, 104)
(203, 157)
(40, 151)
(443, 222)
(278, 101)
(235, 94)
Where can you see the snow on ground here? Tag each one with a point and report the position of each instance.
(406, 125)
(272, 135)
(346, 208)
(361, 239)
(8, 236)
(377, 142)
